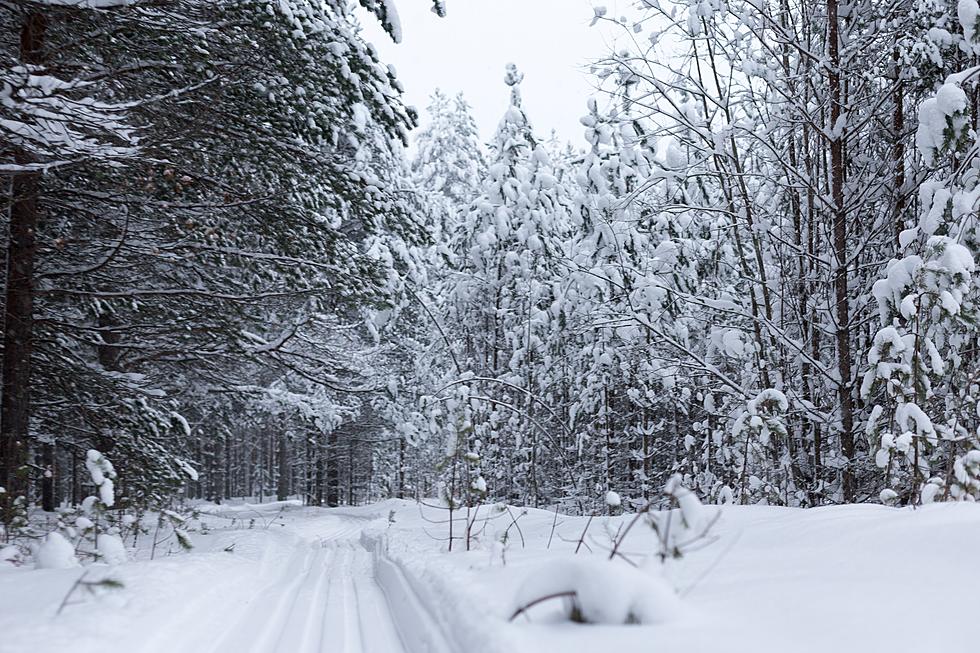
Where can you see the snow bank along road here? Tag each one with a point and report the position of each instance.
(304, 584)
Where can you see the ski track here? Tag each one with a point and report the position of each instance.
(325, 599)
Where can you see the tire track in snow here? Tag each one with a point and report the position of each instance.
(193, 622)
(326, 600)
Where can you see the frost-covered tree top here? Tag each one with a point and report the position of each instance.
(449, 157)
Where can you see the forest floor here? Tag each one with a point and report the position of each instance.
(378, 578)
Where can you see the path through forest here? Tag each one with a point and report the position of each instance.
(318, 594)
(325, 599)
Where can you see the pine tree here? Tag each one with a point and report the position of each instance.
(204, 219)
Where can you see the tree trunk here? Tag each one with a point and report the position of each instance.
(840, 253)
(282, 487)
(401, 468)
(47, 480)
(319, 470)
(898, 149)
(19, 308)
(333, 472)
(350, 474)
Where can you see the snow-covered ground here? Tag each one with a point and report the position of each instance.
(848, 578)
(294, 582)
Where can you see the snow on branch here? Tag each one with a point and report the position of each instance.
(53, 118)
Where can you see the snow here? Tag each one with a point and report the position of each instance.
(770, 397)
(626, 303)
(361, 116)
(102, 473)
(694, 517)
(88, 4)
(914, 419)
(111, 549)
(187, 469)
(956, 259)
(40, 116)
(93, 461)
(55, 552)
(890, 290)
(304, 586)
(10, 554)
(107, 493)
(318, 580)
(88, 504)
(393, 21)
(929, 492)
(967, 12)
(605, 592)
(599, 12)
(930, 136)
(182, 421)
(253, 509)
(771, 575)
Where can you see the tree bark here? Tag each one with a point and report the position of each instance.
(840, 252)
(19, 307)
(333, 471)
(898, 148)
(401, 468)
(47, 481)
(282, 487)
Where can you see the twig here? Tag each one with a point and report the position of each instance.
(619, 538)
(527, 606)
(513, 522)
(554, 524)
(71, 590)
(581, 539)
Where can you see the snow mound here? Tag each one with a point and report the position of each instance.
(55, 552)
(111, 550)
(605, 592)
(613, 500)
(246, 509)
(10, 555)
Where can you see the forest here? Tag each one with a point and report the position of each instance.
(755, 270)
(240, 267)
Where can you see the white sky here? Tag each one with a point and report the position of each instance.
(549, 40)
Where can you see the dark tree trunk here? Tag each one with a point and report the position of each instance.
(47, 481)
(76, 484)
(333, 472)
(19, 308)
(350, 474)
(401, 468)
(843, 312)
(226, 477)
(898, 149)
(282, 487)
(319, 470)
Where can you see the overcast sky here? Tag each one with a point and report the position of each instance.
(549, 40)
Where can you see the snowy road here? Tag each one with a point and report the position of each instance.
(318, 596)
(325, 599)
(270, 578)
